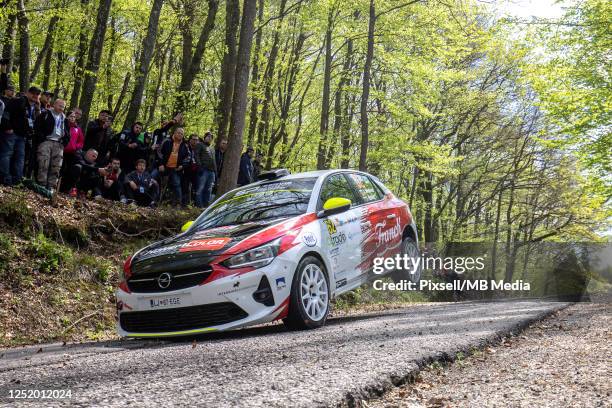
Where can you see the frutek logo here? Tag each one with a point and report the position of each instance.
(385, 236)
(210, 244)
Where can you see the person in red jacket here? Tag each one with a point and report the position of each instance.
(76, 142)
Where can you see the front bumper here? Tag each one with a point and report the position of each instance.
(222, 304)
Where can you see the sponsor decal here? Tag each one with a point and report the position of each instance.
(309, 239)
(341, 283)
(334, 251)
(352, 218)
(334, 261)
(210, 244)
(331, 227)
(384, 236)
(236, 288)
(337, 240)
(280, 283)
(160, 251)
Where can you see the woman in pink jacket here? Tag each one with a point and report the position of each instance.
(77, 140)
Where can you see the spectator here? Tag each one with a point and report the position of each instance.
(78, 114)
(133, 145)
(9, 92)
(17, 128)
(76, 142)
(191, 172)
(163, 133)
(220, 155)
(85, 174)
(173, 156)
(205, 159)
(140, 186)
(98, 136)
(245, 175)
(111, 184)
(46, 99)
(257, 165)
(53, 134)
(6, 88)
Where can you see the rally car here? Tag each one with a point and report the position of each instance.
(280, 248)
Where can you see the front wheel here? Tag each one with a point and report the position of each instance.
(309, 299)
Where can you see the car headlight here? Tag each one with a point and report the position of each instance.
(256, 257)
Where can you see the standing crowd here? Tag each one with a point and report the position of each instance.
(42, 140)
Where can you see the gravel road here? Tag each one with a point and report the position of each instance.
(561, 361)
(350, 359)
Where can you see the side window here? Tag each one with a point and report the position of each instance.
(337, 185)
(366, 188)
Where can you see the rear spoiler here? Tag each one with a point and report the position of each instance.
(273, 174)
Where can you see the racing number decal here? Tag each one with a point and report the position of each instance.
(331, 227)
(209, 244)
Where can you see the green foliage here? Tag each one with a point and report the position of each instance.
(51, 257)
(8, 251)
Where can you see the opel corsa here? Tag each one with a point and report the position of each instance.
(281, 248)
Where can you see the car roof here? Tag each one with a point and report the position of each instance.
(308, 174)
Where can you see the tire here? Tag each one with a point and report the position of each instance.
(310, 284)
(410, 248)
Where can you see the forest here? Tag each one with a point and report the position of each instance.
(492, 129)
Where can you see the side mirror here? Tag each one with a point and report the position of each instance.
(186, 226)
(334, 205)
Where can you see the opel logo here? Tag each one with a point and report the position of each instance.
(164, 280)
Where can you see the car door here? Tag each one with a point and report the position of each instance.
(382, 237)
(341, 233)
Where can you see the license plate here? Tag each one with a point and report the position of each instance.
(165, 302)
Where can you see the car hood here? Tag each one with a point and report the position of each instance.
(196, 246)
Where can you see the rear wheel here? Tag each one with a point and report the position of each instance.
(309, 299)
(410, 249)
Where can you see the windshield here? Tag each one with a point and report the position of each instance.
(275, 199)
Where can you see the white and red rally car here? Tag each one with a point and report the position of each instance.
(280, 248)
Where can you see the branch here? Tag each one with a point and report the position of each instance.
(398, 7)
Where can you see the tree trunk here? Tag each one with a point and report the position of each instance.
(109, 64)
(80, 62)
(426, 188)
(142, 72)
(46, 49)
(124, 88)
(8, 46)
(365, 95)
(239, 100)
(496, 234)
(93, 59)
(24, 47)
(195, 67)
(324, 123)
(281, 134)
(160, 66)
(59, 64)
(47, 68)
(228, 68)
(255, 76)
(268, 79)
(340, 112)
